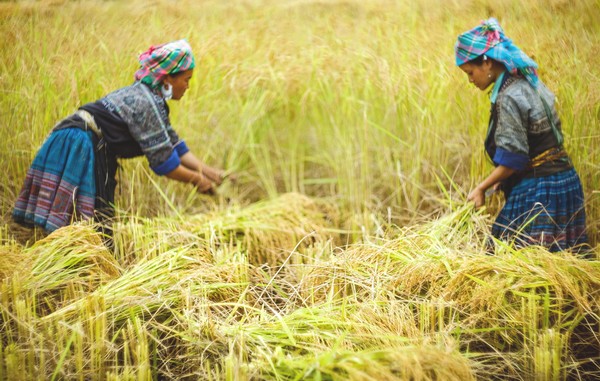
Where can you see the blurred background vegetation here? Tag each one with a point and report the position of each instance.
(358, 102)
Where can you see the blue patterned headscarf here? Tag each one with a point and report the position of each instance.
(488, 38)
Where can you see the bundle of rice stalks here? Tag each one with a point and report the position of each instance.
(400, 268)
(67, 264)
(72, 252)
(140, 239)
(265, 229)
(333, 342)
(511, 302)
(151, 311)
(494, 304)
(418, 363)
(556, 280)
(461, 228)
(413, 263)
(154, 287)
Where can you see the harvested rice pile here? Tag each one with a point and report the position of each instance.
(265, 292)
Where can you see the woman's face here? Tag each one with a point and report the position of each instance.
(180, 83)
(479, 75)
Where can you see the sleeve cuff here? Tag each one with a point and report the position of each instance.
(181, 148)
(168, 165)
(516, 161)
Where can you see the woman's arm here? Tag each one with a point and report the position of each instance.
(500, 173)
(190, 161)
(187, 175)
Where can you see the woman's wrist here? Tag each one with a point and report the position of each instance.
(215, 175)
(200, 181)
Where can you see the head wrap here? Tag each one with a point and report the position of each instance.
(159, 61)
(488, 38)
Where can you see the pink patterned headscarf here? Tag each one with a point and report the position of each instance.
(159, 61)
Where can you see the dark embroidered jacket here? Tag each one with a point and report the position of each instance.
(520, 129)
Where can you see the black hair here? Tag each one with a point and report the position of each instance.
(178, 73)
(478, 60)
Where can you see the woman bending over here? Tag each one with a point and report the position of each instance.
(544, 198)
(73, 174)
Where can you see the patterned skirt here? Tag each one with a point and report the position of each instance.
(547, 211)
(60, 184)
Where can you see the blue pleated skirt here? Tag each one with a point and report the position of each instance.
(60, 185)
(547, 211)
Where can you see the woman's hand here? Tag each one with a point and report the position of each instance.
(215, 175)
(203, 184)
(186, 175)
(494, 181)
(477, 195)
(231, 176)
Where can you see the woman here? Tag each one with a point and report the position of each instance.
(544, 197)
(73, 174)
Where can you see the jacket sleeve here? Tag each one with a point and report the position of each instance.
(147, 119)
(511, 132)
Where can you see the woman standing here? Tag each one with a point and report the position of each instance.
(73, 174)
(544, 197)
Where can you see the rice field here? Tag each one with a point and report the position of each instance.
(345, 250)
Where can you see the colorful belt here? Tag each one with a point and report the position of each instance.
(551, 154)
